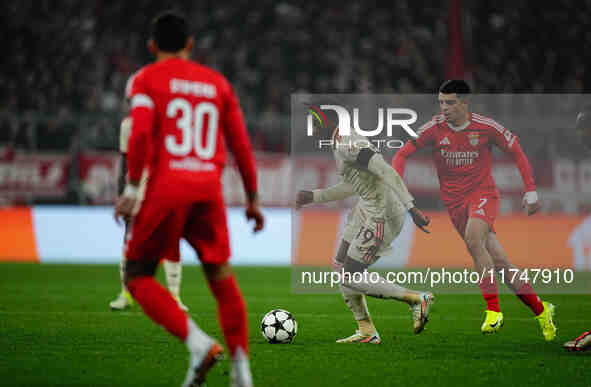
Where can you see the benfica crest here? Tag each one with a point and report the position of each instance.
(473, 138)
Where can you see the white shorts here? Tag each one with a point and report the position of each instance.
(370, 238)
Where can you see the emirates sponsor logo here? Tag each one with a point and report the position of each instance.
(192, 164)
(459, 155)
(459, 159)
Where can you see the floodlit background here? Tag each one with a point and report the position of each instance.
(66, 63)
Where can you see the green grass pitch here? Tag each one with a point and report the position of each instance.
(56, 330)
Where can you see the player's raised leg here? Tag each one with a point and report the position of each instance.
(156, 226)
(233, 319)
(477, 231)
(419, 302)
(160, 306)
(544, 311)
(213, 246)
(366, 246)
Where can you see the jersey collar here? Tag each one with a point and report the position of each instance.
(461, 127)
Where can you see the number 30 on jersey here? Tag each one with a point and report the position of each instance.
(190, 123)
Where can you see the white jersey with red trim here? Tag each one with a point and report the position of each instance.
(377, 200)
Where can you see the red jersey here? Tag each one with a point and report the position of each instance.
(181, 114)
(463, 156)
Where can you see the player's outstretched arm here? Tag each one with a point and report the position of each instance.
(338, 191)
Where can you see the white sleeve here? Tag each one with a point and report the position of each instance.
(124, 132)
(391, 178)
(338, 191)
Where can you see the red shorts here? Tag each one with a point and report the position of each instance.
(483, 205)
(156, 230)
(173, 252)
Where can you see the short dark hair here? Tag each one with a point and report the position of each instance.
(170, 31)
(457, 86)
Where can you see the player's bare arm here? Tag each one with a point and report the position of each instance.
(253, 212)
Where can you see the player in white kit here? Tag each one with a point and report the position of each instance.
(371, 226)
(172, 262)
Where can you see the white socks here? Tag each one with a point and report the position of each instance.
(197, 341)
(173, 276)
(240, 376)
(356, 303)
(122, 273)
(379, 289)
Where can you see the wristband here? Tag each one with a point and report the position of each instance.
(530, 197)
(130, 191)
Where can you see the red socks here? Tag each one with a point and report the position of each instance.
(526, 294)
(529, 297)
(490, 292)
(231, 313)
(159, 305)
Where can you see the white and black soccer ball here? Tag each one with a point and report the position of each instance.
(279, 327)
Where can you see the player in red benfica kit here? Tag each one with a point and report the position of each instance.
(182, 112)
(583, 128)
(461, 144)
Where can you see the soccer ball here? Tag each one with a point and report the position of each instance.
(279, 327)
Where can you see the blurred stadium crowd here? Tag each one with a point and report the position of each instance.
(66, 62)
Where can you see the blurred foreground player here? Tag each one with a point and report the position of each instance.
(171, 262)
(372, 225)
(461, 144)
(583, 342)
(181, 114)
